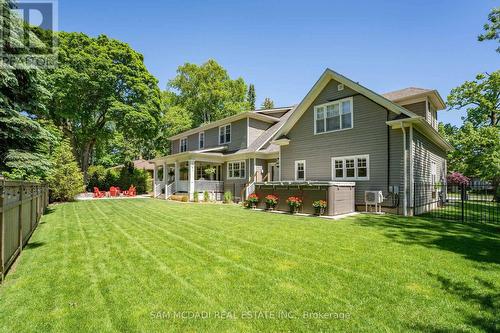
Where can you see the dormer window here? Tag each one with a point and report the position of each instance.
(183, 145)
(333, 116)
(201, 140)
(225, 134)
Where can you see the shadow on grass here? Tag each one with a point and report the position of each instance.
(479, 242)
(33, 245)
(48, 210)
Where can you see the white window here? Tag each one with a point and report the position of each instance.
(333, 116)
(225, 134)
(236, 170)
(183, 145)
(433, 172)
(300, 170)
(201, 140)
(351, 167)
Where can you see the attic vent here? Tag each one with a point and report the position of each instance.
(340, 87)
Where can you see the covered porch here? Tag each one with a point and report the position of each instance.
(190, 175)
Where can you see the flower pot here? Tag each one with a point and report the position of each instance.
(319, 211)
(269, 206)
(294, 209)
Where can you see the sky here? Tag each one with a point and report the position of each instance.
(284, 46)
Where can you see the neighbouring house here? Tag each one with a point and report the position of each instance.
(341, 136)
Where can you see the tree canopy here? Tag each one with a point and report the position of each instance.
(101, 87)
(251, 96)
(207, 93)
(480, 98)
(268, 103)
(492, 28)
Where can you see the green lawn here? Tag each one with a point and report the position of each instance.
(137, 265)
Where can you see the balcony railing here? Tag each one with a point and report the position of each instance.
(200, 186)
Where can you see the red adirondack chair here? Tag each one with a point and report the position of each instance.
(99, 194)
(131, 192)
(114, 191)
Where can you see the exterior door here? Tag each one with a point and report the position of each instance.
(272, 170)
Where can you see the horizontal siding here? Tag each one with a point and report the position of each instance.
(255, 129)
(424, 153)
(367, 137)
(418, 108)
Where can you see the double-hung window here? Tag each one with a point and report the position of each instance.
(300, 170)
(351, 167)
(433, 172)
(183, 145)
(236, 170)
(201, 140)
(225, 134)
(333, 116)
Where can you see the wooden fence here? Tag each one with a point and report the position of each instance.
(21, 206)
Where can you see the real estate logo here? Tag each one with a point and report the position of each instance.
(28, 33)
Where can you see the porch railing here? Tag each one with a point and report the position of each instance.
(170, 189)
(200, 186)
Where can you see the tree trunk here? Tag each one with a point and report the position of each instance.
(85, 158)
(496, 190)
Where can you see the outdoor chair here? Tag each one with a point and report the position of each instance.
(114, 191)
(98, 193)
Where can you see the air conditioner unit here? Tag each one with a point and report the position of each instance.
(374, 198)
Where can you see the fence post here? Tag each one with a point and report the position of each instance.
(2, 233)
(20, 220)
(462, 195)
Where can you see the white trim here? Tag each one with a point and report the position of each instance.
(230, 133)
(233, 162)
(279, 164)
(296, 169)
(248, 132)
(230, 119)
(204, 136)
(405, 197)
(325, 105)
(344, 170)
(180, 145)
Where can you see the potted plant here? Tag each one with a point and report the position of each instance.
(252, 201)
(294, 203)
(271, 201)
(210, 172)
(319, 207)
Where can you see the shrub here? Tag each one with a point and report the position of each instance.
(228, 197)
(122, 177)
(206, 196)
(96, 175)
(196, 197)
(457, 178)
(65, 179)
(177, 197)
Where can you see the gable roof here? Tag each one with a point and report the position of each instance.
(414, 92)
(328, 75)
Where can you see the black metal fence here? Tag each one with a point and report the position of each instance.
(466, 203)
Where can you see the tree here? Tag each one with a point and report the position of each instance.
(268, 103)
(492, 28)
(251, 96)
(65, 179)
(24, 143)
(101, 87)
(480, 97)
(207, 92)
(477, 153)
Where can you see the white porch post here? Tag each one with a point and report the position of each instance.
(155, 175)
(176, 173)
(165, 182)
(191, 180)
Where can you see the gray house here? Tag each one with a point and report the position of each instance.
(340, 133)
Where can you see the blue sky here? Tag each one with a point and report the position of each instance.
(284, 46)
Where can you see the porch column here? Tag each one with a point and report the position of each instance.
(165, 172)
(155, 175)
(176, 173)
(191, 180)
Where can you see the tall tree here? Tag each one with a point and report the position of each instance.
(268, 103)
(207, 92)
(480, 97)
(24, 143)
(492, 28)
(251, 96)
(101, 86)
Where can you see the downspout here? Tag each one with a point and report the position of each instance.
(412, 179)
(405, 199)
